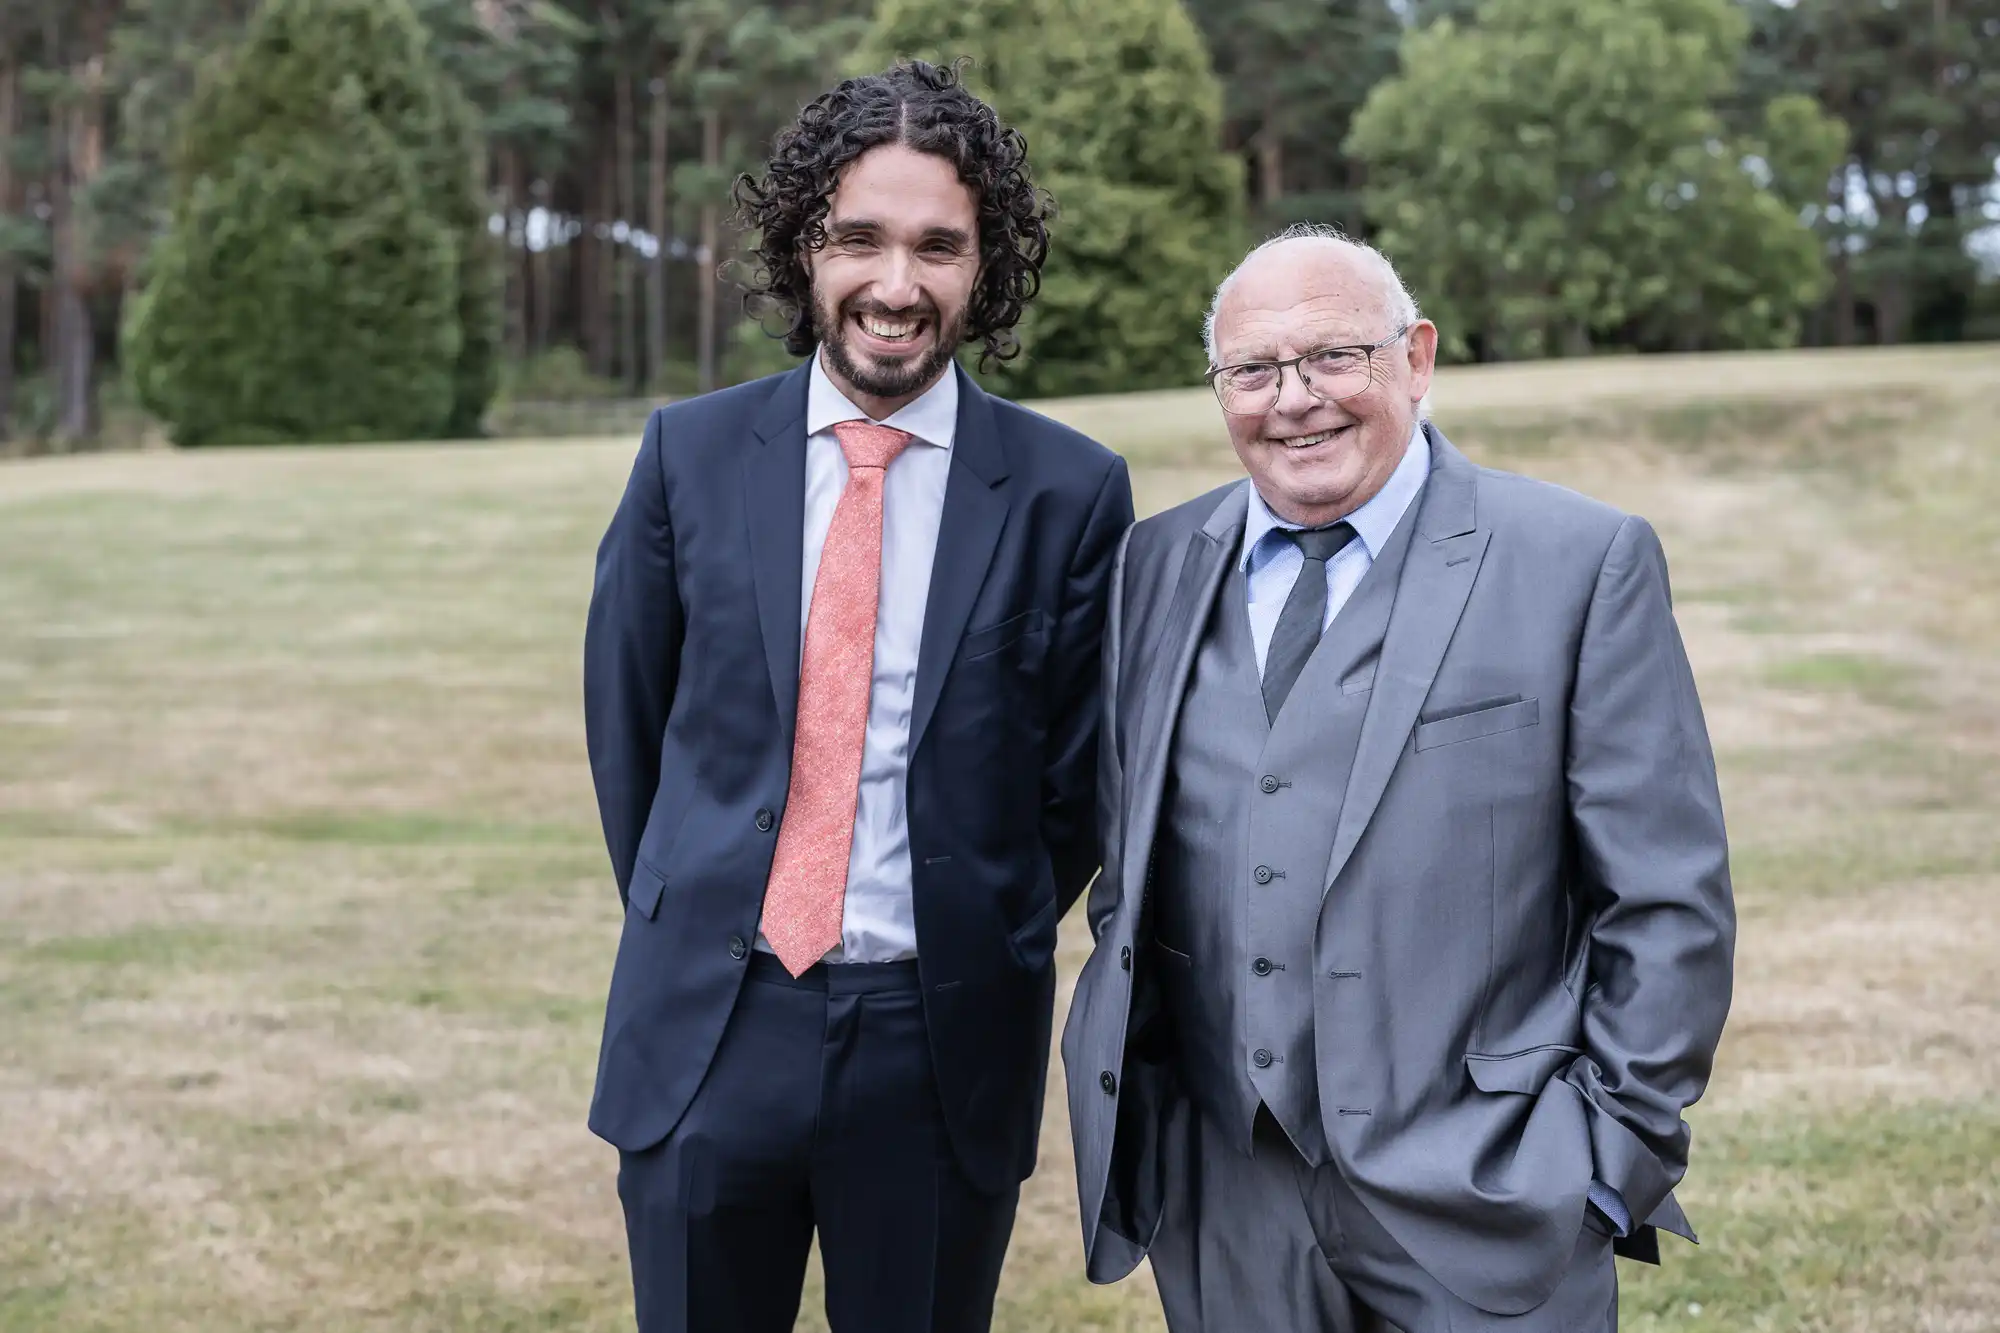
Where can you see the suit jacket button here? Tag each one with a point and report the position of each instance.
(1109, 1082)
(1269, 784)
(1262, 874)
(764, 821)
(1125, 958)
(1262, 967)
(1262, 1059)
(737, 948)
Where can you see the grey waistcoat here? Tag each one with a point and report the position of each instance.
(1247, 828)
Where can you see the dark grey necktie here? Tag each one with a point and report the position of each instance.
(1303, 620)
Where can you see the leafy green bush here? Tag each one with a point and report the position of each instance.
(1561, 172)
(327, 274)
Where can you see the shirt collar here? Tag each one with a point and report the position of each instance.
(932, 418)
(1374, 523)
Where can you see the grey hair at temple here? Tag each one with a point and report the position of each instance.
(1398, 304)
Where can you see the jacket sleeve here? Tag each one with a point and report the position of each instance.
(631, 656)
(1069, 792)
(1110, 763)
(1654, 867)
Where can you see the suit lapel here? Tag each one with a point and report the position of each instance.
(975, 510)
(774, 501)
(1445, 554)
(1210, 550)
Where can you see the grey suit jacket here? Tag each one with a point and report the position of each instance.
(1523, 956)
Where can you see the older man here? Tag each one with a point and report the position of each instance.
(1414, 934)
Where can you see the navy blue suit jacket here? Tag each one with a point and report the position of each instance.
(691, 669)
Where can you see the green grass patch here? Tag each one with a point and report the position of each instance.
(150, 947)
(1808, 1225)
(1878, 680)
(351, 828)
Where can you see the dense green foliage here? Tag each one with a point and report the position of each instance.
(579, 153)
(1918, 86)
(327, 273)
(1122, 117)
(1293, 73)
(1559, 174)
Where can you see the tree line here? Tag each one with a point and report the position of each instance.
(532, 196)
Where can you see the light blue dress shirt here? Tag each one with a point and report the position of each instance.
(1271, 566)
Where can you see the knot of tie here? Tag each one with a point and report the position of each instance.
(1321, 544)
(866, 444)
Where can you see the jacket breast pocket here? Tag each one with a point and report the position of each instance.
(1479, 720)
(990, 640)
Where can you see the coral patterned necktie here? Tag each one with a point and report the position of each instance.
(807, 891)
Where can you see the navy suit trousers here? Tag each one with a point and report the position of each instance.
(819, 1112)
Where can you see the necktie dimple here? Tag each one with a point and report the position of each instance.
(1303, 620)
(805, 897)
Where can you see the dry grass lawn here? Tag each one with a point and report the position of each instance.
(305, 923)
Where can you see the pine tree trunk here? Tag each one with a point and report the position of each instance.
(626, 139)
(9, 286)
(514, 236)
(1270, 164)
(542, 271)
(710, 255)
(605, 334)
(657, 223)
(80, 136)
(1892, 289)
(592, 319)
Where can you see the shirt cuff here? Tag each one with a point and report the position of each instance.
(1611, 1203)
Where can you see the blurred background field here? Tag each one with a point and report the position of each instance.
(305, 920)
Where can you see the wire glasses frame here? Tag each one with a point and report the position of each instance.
(1330, 374)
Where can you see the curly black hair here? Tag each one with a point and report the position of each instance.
(928, 108)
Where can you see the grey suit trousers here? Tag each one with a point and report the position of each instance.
(1266, 1243)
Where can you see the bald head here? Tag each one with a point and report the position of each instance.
(1366, 271)
(1321, 436)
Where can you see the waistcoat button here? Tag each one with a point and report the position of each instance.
(1262, 1059)
(1262, 875)
(1269, 784)
(1262, 967)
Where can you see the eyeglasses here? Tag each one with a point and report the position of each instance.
(1330, 374)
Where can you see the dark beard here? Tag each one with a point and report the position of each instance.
(887, 380)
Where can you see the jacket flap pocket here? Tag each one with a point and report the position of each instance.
(992, 638)
(647, 885)
(1526, 1071)
(1484, 722)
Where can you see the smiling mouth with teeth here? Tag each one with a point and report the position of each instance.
(890, 330)
(1308, 441)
